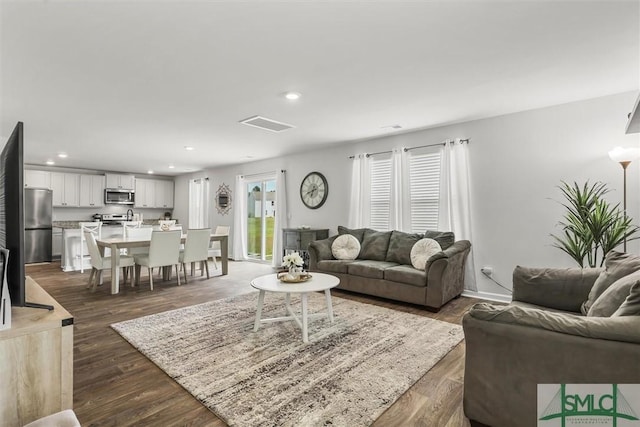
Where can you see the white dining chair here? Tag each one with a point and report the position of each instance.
(127, 225)
(130, 224)
(95, 228)
(196, 249)
(100, 263)
(138, 233)
(214, 249)
(164, 251)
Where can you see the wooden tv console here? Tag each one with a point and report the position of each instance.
(36, 361)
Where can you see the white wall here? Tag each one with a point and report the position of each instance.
(517, 162)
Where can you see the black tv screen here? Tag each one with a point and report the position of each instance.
(12, 213)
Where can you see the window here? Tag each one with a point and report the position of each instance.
(380, 200)
(424, 191)
(419, 203)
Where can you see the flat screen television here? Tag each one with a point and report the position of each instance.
(12, 216)
(12, 213)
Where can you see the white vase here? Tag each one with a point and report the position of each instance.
(295, 271)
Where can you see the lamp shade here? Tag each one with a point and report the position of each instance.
(628, 154)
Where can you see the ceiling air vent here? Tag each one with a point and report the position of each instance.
(266, 124)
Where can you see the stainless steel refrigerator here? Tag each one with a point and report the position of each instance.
(38, 208)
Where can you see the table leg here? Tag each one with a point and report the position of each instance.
(327, 294)
(305, 320)
(287, 302)
(256, 325)
(115, 270)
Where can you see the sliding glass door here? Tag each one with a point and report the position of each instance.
(261, 209)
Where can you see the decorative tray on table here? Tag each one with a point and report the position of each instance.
(285, 277)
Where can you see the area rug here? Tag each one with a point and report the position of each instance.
(347, 375)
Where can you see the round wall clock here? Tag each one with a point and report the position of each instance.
(314, 190)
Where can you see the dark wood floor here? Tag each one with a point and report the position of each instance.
(115, 385)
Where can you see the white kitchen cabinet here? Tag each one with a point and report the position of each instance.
(163, 194)
(145, 193)
(120, 181)
(92, 191)
(66, 189)
(56, 242)
(37, 179)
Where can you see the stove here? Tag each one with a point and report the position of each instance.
(112, 219)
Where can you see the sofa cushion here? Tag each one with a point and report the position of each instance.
(333, 265)
(422, 250)
(371, 269)
(375, 245)
(400, 244)
(406, 274)
(345, 246)
(617, 265)
(323, 247)
(614, 296)
(444, 238)
(358, 233)
(631, 305)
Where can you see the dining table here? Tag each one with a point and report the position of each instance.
(117, 243)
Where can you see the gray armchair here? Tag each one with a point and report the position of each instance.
(542, 338)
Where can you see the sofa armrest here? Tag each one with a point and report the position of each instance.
(560, 288)
(445, 273)
(320, 250)
(619, 328)
(505, 361)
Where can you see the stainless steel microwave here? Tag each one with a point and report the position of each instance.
(114, 196)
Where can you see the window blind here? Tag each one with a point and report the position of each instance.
(424, 183)
(380, 200)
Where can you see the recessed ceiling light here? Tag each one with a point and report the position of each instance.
(292, 96)
(62, 155)
(50, 162)
(189, 148)
(149, 171)
(171, 167)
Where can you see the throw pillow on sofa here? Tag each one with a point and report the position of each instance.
(345, 247)
(617, 265)
(422, 251)
(631, 305)
(400, 246)
(614, 296)
(375, 245)
(444, 238)
(358, 233)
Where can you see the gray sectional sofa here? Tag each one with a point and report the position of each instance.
(383, 267)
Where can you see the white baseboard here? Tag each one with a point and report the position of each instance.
(487, 296)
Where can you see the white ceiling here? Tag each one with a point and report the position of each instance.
(126, 85)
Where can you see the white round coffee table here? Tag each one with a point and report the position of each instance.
(318, 282)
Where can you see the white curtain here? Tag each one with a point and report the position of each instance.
(359, 198)
(455, 211)
(281, 217)
(240, 220)
(198, 203)
(399, 190)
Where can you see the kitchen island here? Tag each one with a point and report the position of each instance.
(70, 259)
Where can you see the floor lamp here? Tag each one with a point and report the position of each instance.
(624, 156)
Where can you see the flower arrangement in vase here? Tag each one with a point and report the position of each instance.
(293, 262)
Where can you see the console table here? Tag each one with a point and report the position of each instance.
(298, 239)
(36, 355)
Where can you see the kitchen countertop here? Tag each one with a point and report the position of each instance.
(68, 225)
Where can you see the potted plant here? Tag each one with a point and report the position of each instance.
(591, 226)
